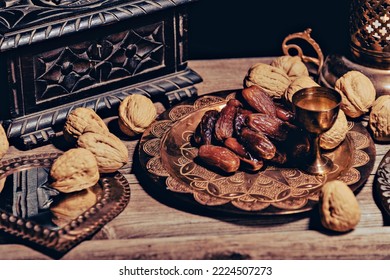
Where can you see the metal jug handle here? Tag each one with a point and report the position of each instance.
(305, 35)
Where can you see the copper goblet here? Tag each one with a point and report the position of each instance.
(316, 110)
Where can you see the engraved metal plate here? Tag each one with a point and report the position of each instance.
(32, 210)
(167, 156)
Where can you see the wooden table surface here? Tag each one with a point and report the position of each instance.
(150, 228)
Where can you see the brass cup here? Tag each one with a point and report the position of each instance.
(316, 110)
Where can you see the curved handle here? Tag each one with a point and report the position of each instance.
(305, 35)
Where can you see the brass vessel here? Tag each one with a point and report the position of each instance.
(316, 110)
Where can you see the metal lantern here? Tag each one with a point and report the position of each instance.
(369, 46)
(370, 33)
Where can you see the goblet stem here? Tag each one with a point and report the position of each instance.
(315, 148)
(317, 164)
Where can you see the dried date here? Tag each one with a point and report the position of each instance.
(258, 144)
(240, 120)
(234, 102)
(225, 122)
(248, 132)
(271, 126)
(205, 130)
(260, 101)
(284, 114)
(235, 146)
(247, 161)
(251, 164)
(220, 157)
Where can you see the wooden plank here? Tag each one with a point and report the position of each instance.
(362, 244)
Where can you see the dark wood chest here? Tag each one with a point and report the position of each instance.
(61, 54)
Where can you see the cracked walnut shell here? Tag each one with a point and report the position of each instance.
(136, 113)
(379, 121)
(339, 209)
(357, 92)
(109, 151)
(75, 170)
(292, 65)
(272, 80)
(78, 120)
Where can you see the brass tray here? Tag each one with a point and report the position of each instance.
(167, 156)
(31, 210)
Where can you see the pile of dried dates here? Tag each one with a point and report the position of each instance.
(249, 132)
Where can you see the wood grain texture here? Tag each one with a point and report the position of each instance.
(154, 227)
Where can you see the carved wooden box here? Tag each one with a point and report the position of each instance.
(56, 55)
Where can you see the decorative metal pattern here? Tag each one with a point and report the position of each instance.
(370, 31)
(370, 24)
(287, 46)
(114, 196)
(169, 158)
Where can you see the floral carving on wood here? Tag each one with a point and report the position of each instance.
(77, 67)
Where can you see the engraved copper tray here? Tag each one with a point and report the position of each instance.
(30, 209)
(167, 156)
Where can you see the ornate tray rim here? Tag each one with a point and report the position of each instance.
(89, 222)
(382, 185)
(189, 107)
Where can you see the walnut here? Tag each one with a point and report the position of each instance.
(74, 170)
(357, 92)
(109, 151)
(336, 134)
(274, 81)
(379, 120)
(339, 209)
(4, 144)
(78, 120)
(297, 84)
(292, 65)
(136, 113)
